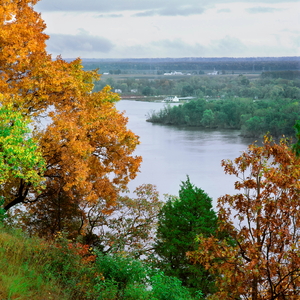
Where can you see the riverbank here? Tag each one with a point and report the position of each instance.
(142, 98)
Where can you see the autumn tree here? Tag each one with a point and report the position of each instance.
(180, 221)
(83, 138)
(264, 221)
(130, 226)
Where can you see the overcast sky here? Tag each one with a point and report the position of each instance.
(171, 28)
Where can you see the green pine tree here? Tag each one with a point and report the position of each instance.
(296, 146)
(180, 221)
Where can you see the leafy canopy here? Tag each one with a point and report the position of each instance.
(20, 156)
(82, 137)
(264, 220)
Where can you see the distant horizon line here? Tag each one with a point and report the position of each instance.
(191, 57)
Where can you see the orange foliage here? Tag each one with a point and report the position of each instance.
(261, 260)
(85, 251)
(86, 145)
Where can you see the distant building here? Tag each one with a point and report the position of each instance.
(118, 91)
(171, 99)
(174, 73)
(213, 73)
(186, 98)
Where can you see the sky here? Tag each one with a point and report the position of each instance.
(171, 28)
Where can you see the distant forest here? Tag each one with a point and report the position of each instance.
(255, 95)
(266, 85)
(192, 64)
(267, 104)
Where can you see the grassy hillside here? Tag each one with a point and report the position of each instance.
(22, 274)
(32, 268)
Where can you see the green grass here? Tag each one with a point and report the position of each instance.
(21, 269)
(35, 269)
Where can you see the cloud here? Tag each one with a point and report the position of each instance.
(259, 9)
(224, 10)
(82, 42)
(183, 10)
(228, 46)
(294, 31)
(296, 42)
(109, 16)
(147, 13)
(135, 5)
(176, 47)
(110, 6)
(161, 48)
(76, 45)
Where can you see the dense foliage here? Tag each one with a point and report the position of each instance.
(269, 85)
(128, 226)
(291, 75)
(19, 154)
(179, 222)
(83, 139)
(264, 220)
(254, 118)
(269, 103)
(32, 268)
(296, 146)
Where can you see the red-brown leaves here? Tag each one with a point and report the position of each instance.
(262, 260)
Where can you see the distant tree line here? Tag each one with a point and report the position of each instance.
(291, 75)
(253, 117)
(225, 87)
(189, 64)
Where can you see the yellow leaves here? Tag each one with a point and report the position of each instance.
(87, 147)
(92, 142)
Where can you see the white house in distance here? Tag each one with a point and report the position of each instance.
(118, 91)
(174, 73)
(213, 73)
(171, 99)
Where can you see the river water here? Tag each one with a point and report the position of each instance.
(171, 153)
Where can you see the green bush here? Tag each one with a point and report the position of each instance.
(32, 268)
(130, 279)
(123, 270)
(2, 211)
(72, 264)
(167, 288)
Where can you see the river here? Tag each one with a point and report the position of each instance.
(171, 153)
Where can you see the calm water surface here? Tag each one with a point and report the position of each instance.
(171, 153)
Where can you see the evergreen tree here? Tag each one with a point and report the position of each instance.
(296, 146)
(180, 221)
